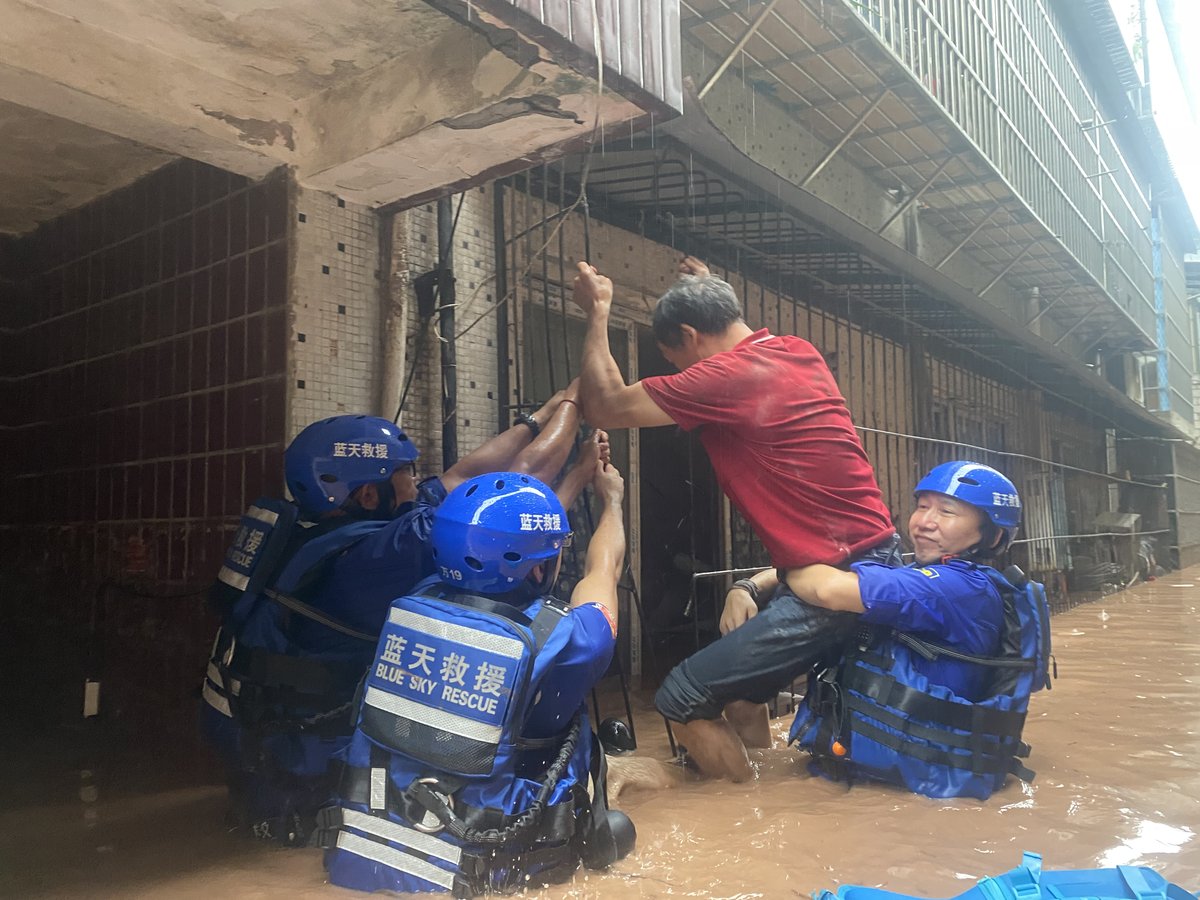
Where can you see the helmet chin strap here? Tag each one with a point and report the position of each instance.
(979, 551)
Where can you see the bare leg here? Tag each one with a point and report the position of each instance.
(715, 748)
(752, 723)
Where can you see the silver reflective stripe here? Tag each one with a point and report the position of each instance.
(234, 687)
(395, 859)
(233, 579)
(492, 643)
(215, 700)
(434, 718)
(379, 788)
(263, 515)
(401, 834)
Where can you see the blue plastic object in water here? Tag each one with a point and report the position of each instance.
(1028, 882)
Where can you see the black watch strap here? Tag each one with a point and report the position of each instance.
(527, 419)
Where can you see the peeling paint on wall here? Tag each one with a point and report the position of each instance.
(259, 132)
(537, 105)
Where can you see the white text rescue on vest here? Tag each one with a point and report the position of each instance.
(427, 686)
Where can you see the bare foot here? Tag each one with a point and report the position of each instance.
(715, 748)
(640, 772)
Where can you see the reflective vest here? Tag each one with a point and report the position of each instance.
(441, 790)
(277, 710)
(874, 714)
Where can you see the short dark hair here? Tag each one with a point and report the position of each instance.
(705, 302)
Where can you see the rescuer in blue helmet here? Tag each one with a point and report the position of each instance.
(305, 587)
(931, 695)
(472, 730)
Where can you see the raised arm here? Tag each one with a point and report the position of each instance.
(546, 455)
(579, 475)
(606, 550)
(608, 401)
(501, 453)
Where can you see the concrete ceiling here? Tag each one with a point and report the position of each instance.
(377, 100)
(49, 165)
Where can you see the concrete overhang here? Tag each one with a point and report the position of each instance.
(376, 100)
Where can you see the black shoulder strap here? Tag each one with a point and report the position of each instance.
(315, 615)
(542, 625)
(933, 651)
(475, 601)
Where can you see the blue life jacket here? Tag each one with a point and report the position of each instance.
(441, 791)
(277, 710)
(874, 714)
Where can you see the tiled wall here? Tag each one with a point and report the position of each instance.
(336, 327)
(143, 407)
(474, 268)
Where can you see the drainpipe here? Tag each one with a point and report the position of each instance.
(504, 394)
(446, 325)
(1160, 312)
(394, 290)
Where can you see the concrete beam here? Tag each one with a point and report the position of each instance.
(377, 101)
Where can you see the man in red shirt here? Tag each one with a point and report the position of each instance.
(784, 451)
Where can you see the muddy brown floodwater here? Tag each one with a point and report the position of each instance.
(1115, 746)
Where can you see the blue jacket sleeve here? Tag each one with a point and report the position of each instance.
(954, 604)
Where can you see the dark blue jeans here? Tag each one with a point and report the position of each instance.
(763, 656)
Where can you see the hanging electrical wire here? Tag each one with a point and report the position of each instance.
(427, 320)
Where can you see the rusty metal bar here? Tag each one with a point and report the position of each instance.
(1045, 309)
(908, 204)
(1087, 315)
(736, 49)
(1009, 267)
(970, 235)
(842, 141)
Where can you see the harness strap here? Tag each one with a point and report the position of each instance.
(542, 625)
(975, 741)
(933, 651)
(523, 824)
(977, 763)
(546, 620)
(504, 871)
(888, 691)
(316, 615)
(598, 845)
(358, 788)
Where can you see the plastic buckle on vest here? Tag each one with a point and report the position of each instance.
(430, 823)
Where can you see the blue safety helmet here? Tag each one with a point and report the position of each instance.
(491, 531)
(332, 458)
(981, 486)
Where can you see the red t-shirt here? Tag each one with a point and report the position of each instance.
(783, 447)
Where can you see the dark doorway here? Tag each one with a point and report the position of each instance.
(681, 534)
(553, 350)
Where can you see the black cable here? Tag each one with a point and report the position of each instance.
(437, 296)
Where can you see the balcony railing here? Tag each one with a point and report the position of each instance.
(1002, 72)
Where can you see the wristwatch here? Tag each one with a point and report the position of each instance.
(749, 587)
(527, 419)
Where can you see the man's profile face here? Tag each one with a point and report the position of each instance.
(942, 526)
(686, 352)
(404, 490)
